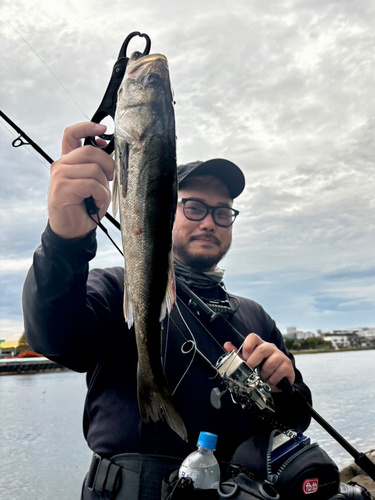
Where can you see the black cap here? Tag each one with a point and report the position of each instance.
(225, 170)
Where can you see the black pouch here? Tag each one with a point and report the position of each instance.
(174, 488)
(243, 486)
(308, 471)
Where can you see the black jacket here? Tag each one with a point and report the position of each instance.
(76, 319)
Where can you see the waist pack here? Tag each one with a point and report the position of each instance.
(307, 472)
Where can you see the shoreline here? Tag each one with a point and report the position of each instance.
(319, 351)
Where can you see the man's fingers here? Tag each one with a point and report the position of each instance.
(87, 155)
(260, 352)
(79, 171)
(229, 347)
(274, 365)
(74, 191)
(73, 135)
(283, 370)
(252, 342)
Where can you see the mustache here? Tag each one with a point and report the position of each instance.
(206, 236)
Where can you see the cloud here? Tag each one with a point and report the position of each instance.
(327, 303)
(11, 329)
(285, 89)
(352, 273)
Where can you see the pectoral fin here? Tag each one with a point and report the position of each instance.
(170, 294)
(120, 180)
(128, 304)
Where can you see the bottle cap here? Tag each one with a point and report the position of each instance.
(207, 440)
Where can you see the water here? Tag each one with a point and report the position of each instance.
(343, 390)
(44, 455)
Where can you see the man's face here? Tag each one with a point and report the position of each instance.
(201, 244)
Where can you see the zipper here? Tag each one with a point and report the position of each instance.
(269, 451)
(273, 478)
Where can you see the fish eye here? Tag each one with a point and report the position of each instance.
(151, 79)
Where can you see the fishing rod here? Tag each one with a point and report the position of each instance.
(242, 381)
(20, 142)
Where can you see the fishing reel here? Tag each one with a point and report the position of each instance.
(244, 384)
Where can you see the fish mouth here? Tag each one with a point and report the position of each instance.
(138, 60)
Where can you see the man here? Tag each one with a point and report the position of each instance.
(76, 318)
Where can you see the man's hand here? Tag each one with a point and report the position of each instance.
(276, 364)
(81, 172)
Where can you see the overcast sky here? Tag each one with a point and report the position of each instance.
(283, 88)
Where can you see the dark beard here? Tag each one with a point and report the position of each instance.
(200, 262)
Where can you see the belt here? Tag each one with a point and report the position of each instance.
(129, 476)
(104, 477)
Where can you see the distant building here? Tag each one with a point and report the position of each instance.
(367, 333)
(294, 334)
(8, 349)
(342, 339)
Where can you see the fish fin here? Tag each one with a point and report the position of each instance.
(128, 304)
(120, 179)
(155, 404)
(170, 293)
(123, 167)
(115, 194)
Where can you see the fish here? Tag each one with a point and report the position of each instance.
(145, 193)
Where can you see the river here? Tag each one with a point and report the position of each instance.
(44, 455)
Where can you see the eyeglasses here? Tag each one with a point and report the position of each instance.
(198, 210)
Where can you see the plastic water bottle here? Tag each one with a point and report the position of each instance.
(201, 465)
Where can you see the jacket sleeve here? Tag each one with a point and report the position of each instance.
(289, 410)
(65, 319)
(251, 317)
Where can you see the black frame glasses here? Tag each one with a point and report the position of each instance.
(198, 210)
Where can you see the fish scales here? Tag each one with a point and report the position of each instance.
(145, 188)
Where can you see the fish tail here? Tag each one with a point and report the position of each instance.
(155, 404)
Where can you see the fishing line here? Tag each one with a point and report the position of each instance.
(192, 336)
(45, 64)
(105, 230)
(200, 323)
(164, 355)
(195, 349)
